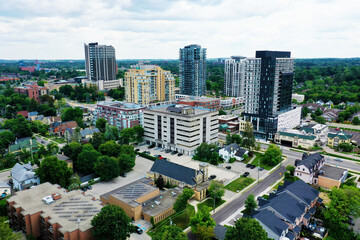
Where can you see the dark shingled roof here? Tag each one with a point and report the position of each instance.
(309, 160)
(296, 229)
(270, 220)
(175, 171)
(301, 190)
(307, 216)
(232, 146)
(220, 232)
(287, 206)
(240, 152)
(290, 235)
(312, 210)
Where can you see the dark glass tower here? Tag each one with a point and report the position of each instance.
(192, 70)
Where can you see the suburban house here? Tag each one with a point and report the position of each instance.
(329, 104)
(25, 114)
(232, 151)
(21, 144)
(351, 104)
(284, 213)
(336, 138)
(142, 200)
(51, 119)
(311, 169)
(32, 115)
(59, 128)
(182, 176)
(331, 115)
(66, 159)
(87, 133)
(307, 136)
(314, 106)
(24, 177)
(320, 102)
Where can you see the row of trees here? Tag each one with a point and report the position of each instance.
(82, 93)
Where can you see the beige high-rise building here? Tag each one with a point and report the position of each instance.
(145, 84)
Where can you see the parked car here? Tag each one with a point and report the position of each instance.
(180, 154)
(138, 230)
(212, 177)
(174, 152)
(228, 167)
(146, 152)
(42, 141)
(137, 150)
(252, 166)
(89, 187)
(167, 151)
(162, 150)
(248, 165)
(260, 198)
(151, 146)
(338, 160)
(124, 175)
(261, 168)
(246, 174)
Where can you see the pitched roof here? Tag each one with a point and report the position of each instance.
(231, 147)
(240, 152)
(309, 161)
(301, 190)
(340, 135)
(175, 171)
(286, 205)
(33, 114)
(23, 143)
(270, 220)
(290, 235)
(22, 172)
(220, 232)
(88, 131)
(24, 113)
(302, 136)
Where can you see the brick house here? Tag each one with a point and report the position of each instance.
(59, 128)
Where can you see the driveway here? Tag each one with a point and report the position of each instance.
(142, 166)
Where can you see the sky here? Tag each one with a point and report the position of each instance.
(156, 29)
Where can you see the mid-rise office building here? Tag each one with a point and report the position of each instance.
(180, 128)
(268, 84)
(120, 114)
(192, 70)
(234, 71)
(100, 62)
(32, 90)
(203, 102)
(149, 83)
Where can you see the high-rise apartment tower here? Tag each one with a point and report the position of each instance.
(192, 70)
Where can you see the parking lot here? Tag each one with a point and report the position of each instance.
(222, 174)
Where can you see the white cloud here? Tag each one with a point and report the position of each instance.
(50, 29)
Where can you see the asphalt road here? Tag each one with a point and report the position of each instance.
(237, 203)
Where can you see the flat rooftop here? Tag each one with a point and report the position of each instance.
(228, 117)
(198, 99)
(65, 211)
(162, 202)
(121, 105)
(177, 110)
(332, 172)
(132, 191)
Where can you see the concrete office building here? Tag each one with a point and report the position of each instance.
(180, 127)
(192, 70)
(149, 83)
(268, 84)
(100, 62)
(234, 79)
(48, 211)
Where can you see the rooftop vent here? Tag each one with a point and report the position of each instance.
(48, 200)
(157, 202)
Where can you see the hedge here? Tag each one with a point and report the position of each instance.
(144, 155)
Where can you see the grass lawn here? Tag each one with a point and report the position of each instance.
(181, 220)
(58, 140)
(210, 203)
(257, 162)
(239, 184)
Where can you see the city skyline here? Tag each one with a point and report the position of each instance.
(157, 29)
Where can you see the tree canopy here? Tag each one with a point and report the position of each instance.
(170, 232)
(202, 224)
(182, 200)
(248, 140)
(272, 155)
(54, 171)
(208, 153)
(107, 168)
(246, 228)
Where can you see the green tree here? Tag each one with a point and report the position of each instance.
(111, 133)
(345, 147)
(202, 224)
(101, 124)
(228, 139)
(73, 114)
(74, 182)
(272, 155)
(86, 160)
(139, 133)
(170, 232)
(127, 135)
(246, 228)
(6, 138)
(356, 121)
(6, 233)
(208, 153)
(318, 112)
(112, 223)
(216, 191)
(250, 204)
(291, 169)
(110, 148)
(107, 168)
(304, 112)
(96, 140)
(221, 112)
(182, 200)
(126, 163)
(160, 182)
(320, 120)
(72, 150)
(54, 171)
(248, 140)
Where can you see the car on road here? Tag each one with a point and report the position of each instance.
(212, 177)
(180, 154)
(338, 160)
(167, 151)
(252, 166)
(174, 152)
(248, 165)
(42, 141)
(246, 174)
(124, 175)
(228, 167)
(138, 230)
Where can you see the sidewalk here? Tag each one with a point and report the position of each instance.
(329, 150)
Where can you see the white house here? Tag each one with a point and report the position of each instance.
(232, 151)
(307, 168)
(24, 177)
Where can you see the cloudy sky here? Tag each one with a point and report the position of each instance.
(151, 29)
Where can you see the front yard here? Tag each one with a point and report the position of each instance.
(210, 203)
(257, 162)
(239, 184)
